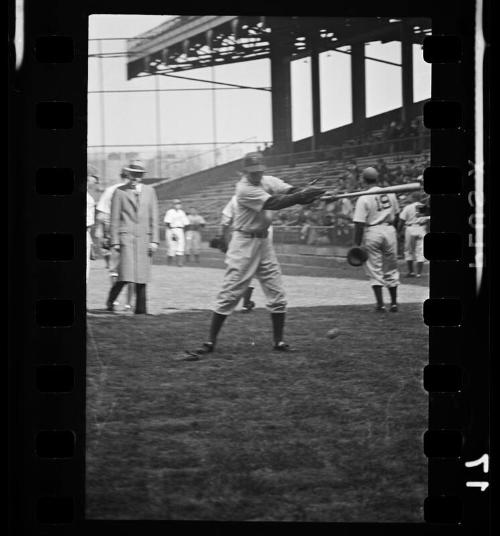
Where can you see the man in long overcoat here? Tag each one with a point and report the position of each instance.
(134, 233)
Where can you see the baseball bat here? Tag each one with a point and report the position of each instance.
(397, 189)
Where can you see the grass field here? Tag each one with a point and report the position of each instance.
(330, 432)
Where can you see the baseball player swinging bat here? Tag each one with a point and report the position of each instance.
(397, 189)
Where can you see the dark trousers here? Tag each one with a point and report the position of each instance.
(140, 296)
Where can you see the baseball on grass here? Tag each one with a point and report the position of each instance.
(333, 333)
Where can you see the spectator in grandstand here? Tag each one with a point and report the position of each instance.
(281, 219)
(350, 175)
(134, 234)
(308, 232)
(382, 169)
(175, 220)
(193, 235)
(110, 254)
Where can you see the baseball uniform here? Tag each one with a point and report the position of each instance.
(193, 234)
(104, 210)
(250, 252)
(229, 211)
(377, 213)
(90, 223)
(177, 220)
(415, 230)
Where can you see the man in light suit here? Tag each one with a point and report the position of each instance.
(134, 233)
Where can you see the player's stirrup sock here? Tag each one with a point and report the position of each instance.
(377, 290)
(247, 296)
(393, 291)
(215, 325)
(410, 266)
(420, 266)
(278, 320)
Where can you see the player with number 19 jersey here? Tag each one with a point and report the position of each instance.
(376, 209)
(378, 214)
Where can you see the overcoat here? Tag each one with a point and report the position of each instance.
(133, 225)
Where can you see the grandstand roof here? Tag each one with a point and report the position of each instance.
(191, 42)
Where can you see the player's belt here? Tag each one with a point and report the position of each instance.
(253, 234)
(413, 224)
(377, 224)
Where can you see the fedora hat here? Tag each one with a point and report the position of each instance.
(135, 166)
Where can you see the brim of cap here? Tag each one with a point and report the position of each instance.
(135, 170)
(255, 167)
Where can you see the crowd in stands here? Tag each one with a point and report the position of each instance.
(393, 137)
(338, 215)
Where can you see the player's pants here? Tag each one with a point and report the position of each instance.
(175, 246)
(414, 243)
(193, 242)
(382, 263)
(248, 257)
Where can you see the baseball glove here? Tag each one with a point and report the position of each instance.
(310, 194)
(218, 243)
(356, 256)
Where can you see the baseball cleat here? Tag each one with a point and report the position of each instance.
(394, 308)
(205, 348)
(418, 275)
(380, 309)
(282, 347)
(247, 307)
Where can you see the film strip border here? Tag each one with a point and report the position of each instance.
(48, 280)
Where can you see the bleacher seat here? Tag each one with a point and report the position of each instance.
(211, 199)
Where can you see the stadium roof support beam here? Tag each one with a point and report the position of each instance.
(407, 70)
(315, 91)
(281, 46)
(358, 86)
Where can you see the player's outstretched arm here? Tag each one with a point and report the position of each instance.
(297, 197)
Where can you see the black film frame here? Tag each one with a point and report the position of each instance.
(47, 278)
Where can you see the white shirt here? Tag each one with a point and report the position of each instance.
(90, 210)
(376, 209)
(410, 214)
(104, 204)
(176, 218)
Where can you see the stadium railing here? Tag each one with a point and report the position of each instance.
(415, 144)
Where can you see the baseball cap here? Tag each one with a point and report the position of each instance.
(135, 165)
(254, 162)
(177, 201)
(370, 173)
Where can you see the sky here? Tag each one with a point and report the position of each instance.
(227, 116)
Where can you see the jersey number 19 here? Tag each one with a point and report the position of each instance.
(383, 202)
